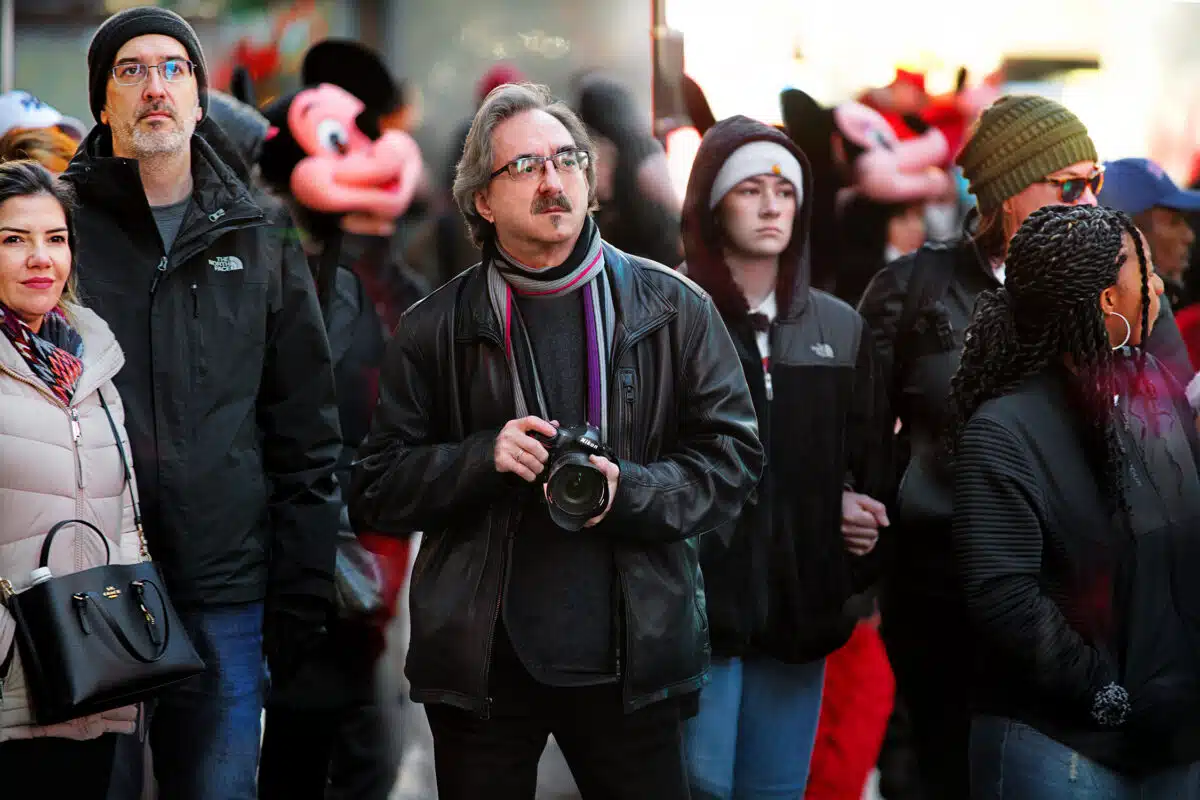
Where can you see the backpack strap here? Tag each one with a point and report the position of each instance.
(933, 269)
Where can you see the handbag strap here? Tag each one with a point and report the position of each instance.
(137, 512)
(44, 560)
(115, 627)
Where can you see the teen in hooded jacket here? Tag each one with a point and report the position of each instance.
(777, 581)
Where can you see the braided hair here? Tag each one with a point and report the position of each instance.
(1058, 263)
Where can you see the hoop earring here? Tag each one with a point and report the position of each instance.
(1128, 328)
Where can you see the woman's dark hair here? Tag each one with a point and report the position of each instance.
(1058, 263)
(987, 232)
(28, 178)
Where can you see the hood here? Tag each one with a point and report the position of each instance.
(701, 241)
(245, 127)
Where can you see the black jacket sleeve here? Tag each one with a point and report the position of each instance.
(718, 460)
(998, 542)
(882, 306)
(407, 477)
(298, 417)
(869, 451)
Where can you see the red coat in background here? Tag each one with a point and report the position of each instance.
(855, 707)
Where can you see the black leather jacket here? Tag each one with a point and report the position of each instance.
(685, 434)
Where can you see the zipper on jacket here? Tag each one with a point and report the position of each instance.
(75, 434)
(486, 713)
(159, 271)
(767, 383)
(195, 303)
(628, 397)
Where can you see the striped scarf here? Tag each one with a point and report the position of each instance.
(506, 275)
(54, 353)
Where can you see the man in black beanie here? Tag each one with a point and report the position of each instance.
(227, 386)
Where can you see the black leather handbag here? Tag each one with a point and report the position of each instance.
(102, 638)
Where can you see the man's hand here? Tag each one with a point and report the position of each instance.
(862, 516)
(518, 452)
(613, 473)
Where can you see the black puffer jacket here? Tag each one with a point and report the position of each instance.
(780, 582)
(918, 334)
(227, 385)
(689, 453)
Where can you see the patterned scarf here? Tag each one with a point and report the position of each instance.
(54, 353)
(583, 271)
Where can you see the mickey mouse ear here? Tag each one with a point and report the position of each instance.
(355, 68)
(241, 86)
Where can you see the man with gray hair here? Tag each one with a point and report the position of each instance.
(557, 590)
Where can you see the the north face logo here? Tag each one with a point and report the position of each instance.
(226, 263)
(823, 350)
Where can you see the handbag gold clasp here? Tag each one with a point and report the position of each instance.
(112, 592)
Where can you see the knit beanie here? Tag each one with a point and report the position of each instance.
(1018, 141)
(756, 158)
(118, 29)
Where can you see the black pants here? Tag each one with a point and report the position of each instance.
(48, 767)
(326, 755)
(926, 644)
(327, 738)
(612, 755)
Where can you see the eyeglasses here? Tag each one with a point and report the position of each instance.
(132, 73)
(1071, 189)
(566, 161)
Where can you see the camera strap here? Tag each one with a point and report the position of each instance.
(590, 280)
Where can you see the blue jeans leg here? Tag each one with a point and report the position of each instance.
(781, 706)
(1012, 761)
(205, 733)
(710, 737)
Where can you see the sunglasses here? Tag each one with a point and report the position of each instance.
(1071, 189)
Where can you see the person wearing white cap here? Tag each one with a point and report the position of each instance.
(20, 109)
(777, 583)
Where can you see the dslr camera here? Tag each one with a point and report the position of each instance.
(576, 490)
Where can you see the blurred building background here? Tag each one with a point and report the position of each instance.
(1130, 68)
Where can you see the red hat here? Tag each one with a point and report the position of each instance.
(913, 79)
(498, 75)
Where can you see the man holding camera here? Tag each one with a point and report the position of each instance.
(557, 590)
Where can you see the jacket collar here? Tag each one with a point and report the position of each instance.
(219, 191)
(102, 356)
(640, 305)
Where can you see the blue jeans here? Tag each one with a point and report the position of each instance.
(1012, 761)
(204, 734)
(754, 735)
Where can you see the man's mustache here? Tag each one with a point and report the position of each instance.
(157, 107)
(543, 204)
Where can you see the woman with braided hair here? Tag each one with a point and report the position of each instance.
(1025, 152)
(1076, 511)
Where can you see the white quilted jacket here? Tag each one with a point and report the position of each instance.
(60, 463)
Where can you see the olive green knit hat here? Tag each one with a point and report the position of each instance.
(1018, 141)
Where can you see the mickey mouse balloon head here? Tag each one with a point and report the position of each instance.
(323, 148)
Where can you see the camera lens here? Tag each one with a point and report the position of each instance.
(577, 489)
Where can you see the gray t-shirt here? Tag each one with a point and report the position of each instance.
(169, 219)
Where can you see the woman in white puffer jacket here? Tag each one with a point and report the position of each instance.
(58, 461)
